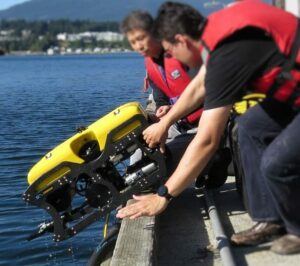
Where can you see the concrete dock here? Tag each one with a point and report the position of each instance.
(235, 219)
(184, 235)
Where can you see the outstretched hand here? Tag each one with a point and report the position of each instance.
(146, 205)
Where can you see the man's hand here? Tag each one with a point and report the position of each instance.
(146, 205)
(163, 110)
(156, 134)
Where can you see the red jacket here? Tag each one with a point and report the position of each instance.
(280, 25)
(171, 80)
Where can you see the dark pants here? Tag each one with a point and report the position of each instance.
(269, 136)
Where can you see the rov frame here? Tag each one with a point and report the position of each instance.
(104, 190)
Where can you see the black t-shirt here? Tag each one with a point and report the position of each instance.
(236, 62)
(159, 97)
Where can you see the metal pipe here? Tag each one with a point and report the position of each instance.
(146, 170)
(223, 243)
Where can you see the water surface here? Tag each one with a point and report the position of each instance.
(42, 102)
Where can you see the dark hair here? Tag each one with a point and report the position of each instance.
(173, 18)
(137, 20)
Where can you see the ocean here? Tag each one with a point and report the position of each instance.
(42, 101)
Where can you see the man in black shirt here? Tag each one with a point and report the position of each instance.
(237, 56)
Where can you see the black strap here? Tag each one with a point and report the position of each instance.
(288, 64)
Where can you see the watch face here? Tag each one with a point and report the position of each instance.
(162, 191)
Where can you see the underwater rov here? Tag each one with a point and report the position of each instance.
(83, 179)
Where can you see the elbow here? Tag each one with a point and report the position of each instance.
(209, 143)
(212, 144)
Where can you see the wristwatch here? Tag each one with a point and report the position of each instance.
(163, 192)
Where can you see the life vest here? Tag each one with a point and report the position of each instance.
(278, 82)
(171, 80)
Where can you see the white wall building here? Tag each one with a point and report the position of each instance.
(292, 6)
(99, 36)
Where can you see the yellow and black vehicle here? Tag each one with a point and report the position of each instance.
(84, 178)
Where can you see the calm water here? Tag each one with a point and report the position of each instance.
(42, 102)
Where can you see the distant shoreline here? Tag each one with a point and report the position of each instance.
(28, 53)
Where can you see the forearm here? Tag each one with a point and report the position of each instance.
(200, 150)
(191, 164)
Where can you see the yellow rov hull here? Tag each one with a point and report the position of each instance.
(69, 151)
(88, 176)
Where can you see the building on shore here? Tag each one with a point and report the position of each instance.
(98, 36)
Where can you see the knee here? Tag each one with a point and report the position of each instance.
(273, 168)
(267, 166)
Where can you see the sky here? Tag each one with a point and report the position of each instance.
(8, 3)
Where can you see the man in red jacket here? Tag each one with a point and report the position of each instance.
(248, 45)
(168, 78)
(166, 75)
